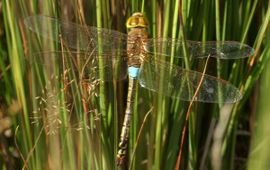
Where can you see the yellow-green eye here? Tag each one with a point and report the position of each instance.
(137, 20)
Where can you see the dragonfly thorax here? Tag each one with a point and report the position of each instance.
(137, 26)
(136, 43)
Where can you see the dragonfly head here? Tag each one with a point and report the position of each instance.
(137, 20)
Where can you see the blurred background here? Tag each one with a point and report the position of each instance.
(58, 117)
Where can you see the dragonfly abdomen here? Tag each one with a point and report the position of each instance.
(121, 154)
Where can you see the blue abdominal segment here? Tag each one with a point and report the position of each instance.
(133, 72)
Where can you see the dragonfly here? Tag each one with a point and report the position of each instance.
(145, 59)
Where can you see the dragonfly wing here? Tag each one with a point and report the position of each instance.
(76, 36)
(173, 81)
(196, 49)
(84, 66)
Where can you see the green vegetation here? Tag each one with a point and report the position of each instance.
(54, 115)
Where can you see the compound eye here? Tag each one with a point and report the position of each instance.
(137, 20)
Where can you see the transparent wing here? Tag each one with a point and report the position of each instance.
(87, 67)
(197, 49)
(76, 36)
(173, 81)
(103, 40)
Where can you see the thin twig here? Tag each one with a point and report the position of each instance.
(187, 116)
(138, 137)
(17, 146)
(33, 148)
(5, 70)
